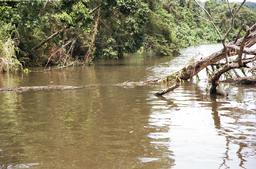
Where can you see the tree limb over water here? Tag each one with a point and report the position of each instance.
(238, 48)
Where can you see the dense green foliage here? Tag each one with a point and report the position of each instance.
(59, 32)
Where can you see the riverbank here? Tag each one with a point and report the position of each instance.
(58, 32)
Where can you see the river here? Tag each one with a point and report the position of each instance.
(112, 127)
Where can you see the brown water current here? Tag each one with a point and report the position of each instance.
(112, 127)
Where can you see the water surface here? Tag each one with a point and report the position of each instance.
(111, 127)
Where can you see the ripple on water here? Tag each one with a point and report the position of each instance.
(160, 119)
(188, 122)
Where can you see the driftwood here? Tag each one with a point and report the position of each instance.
(238, 48)
(22, 89)
(40, 88)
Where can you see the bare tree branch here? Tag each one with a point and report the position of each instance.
(210, 17)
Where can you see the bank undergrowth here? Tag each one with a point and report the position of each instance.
(48, 33)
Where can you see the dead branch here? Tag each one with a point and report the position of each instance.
(224, 69)
(231, 26)
(245, 50)
(240, 63)
(58, 50)
(160, 93)
(48, 39)
(95, 9)
(233, 49)
(242, 46)
(89, 55)
(210, 18)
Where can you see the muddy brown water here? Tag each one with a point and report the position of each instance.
(111, 127)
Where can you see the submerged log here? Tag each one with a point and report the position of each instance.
(160, 93)
(40, 88)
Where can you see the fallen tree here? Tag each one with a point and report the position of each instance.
(224, 59)
(240, 47)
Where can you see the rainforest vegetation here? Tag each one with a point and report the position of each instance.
(47, 33)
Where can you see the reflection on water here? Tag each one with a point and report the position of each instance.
(203, 131)
(123, 128)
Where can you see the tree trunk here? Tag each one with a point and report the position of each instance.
(89, 55)
(239, 47)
